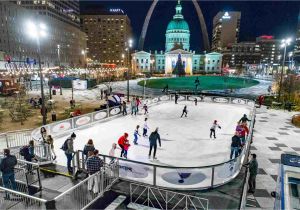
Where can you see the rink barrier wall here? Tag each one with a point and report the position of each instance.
(213, 175)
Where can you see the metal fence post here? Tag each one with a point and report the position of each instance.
(154, 175)
(212, 177)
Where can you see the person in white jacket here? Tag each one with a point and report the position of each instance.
(145, 128)
(213, 128)
(112, 153)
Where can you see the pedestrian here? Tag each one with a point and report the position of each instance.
(126, 147)
(261, 99)
(93, 165)
(176, 98)
(112, 153)
(197, 83)
(68, 148)
(124, 108)
(235, 145)
(145, 128)
(244, 119)
(153, 138)
(196, 101)
(253, 170)
(138, 103)
(121, 143)
(184, 111)
(101, 94)
(7, 166)
(145, 107)
(133, 106)
(43, 132)
(50, 142)
(136, 134)
(213, 128)
(88, 147)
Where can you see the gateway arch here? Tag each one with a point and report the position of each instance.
(200, 18)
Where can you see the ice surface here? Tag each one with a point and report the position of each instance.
(185, 141)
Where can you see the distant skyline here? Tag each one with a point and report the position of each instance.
(277, 18)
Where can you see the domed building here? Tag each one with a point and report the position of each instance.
(178, 31)
(177, 43)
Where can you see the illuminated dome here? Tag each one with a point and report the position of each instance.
(178, 31)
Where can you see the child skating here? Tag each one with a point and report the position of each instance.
(145, 128)
(136, 134)
(145, 107)
(213, 128)
(126, 147)
(184, 111)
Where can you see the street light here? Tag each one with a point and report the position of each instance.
(37, 31)
(130, 41)
(284, 44)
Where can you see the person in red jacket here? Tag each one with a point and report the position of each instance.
(261, 99)
(122, 141)
(244, 132)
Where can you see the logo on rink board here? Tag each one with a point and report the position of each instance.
(83, 120)
(115, 111)
(238, 101)
(61, 127)
(100, 115)
(133, 170)
(187, 177)
(221, 100)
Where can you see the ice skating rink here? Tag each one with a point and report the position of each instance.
(185, 141)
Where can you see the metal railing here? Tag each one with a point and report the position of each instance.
(164, 199)
(13, 139)
(92, 188)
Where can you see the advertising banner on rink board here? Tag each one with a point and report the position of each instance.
(79, 84)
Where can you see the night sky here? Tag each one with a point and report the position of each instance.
(278, 18)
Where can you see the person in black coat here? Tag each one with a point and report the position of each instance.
(153, 138)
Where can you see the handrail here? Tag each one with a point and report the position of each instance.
(24, 195)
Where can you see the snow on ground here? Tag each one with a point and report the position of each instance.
(185, 141)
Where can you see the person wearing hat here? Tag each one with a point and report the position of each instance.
(213, 128)
(153, 138)
(70, 150)
(122, 141)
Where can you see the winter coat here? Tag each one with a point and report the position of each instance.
(87, 148)
(235, 141)
(126, 145)
(154, 136)
(253, 167)
(122, 140)
(7, 164)
(70, 145)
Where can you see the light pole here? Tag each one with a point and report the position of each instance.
(83, 52)
(284, 44)
(37, 31)
(291, 60)
(128, 65)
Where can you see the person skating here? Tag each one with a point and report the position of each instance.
(133, 106)
(126, 147)
(244, 119)
(121, 143)
(176, 98)
(184, 111)
(136, 134)
(124, 108)
(112, 152)
(145, 107)
(145, 128)
(50, 141)
(153, 138)
(213, 128)
(138, 103)
(235, 145)
(196, 101)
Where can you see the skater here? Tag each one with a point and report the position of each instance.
(176, 98)
(50, 142)
(184, 111)
(138, 103)
(145, 107)
(244, 133)
(88, 147)
(213, 129)
(154, 136)
(196, 101)
(244, 119)
(112, 153)
(235, 145)
(126, 147)
(124, 107)
(145, 128)
(121, 143)
(136, 134)
(133, 106)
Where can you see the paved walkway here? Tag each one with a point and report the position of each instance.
(273, 135)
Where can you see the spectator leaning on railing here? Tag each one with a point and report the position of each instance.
(94, 164)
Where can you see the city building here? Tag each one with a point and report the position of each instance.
(64, 44)
(241, 54)
(296, 54)
(269, 49)
(177, 44)
(226, 29)
(108, 32)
